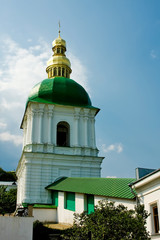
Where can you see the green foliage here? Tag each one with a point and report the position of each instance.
(7, 176)
(109, 222)
(7, 200)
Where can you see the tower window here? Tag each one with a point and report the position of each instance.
(62, 72)
(63, 134)
(58, 50)
(55, 71)
(59, 71)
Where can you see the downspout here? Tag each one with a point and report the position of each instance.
(135, 194)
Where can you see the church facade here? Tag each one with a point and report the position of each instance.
(58, 132)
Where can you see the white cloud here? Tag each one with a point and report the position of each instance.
(153, 54)
(20, 70)
(8, 104)
(3, 125)
(117, 147)
(79, 71)
(7, 137)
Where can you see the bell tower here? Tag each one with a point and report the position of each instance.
(58, 132)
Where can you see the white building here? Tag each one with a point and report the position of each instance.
(8, 184)
(59, 132)
(148, 193)
(59, 170)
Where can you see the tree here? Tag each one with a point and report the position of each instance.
(7, 200)
(109, 222)
(7, 176)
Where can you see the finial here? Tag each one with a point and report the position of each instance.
(59, 28)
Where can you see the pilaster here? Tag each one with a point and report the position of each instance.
(85, 122)
(50, 114)
(40, 116)
(76, 126)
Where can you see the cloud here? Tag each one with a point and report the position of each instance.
(21, 69)
(3, 125)
(153, 54)
(118, 148)
(79, 71)
(7, 137)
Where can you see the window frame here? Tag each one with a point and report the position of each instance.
(55, 198)
(89, 203)
(155, 219)
(69, 201)
(67, 139)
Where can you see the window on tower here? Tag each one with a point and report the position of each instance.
(59, 71)
(63, 134)
(55, 71)
(62, 72)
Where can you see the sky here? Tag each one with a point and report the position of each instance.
(114, 49)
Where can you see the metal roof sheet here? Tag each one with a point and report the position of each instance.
(110, 187)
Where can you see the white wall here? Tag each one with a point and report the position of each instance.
(16, 228)
(45, 215)
(130, 204)
(149, 194)
(63, 215)
(42, 161)
(66, 216)
(40, 124)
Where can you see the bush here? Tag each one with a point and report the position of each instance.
(109, 222)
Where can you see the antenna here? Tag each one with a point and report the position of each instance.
(59, 28)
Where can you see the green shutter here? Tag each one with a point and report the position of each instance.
(90, 203)
(55, 198)
(70, 201)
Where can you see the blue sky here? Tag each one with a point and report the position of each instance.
(114, 48)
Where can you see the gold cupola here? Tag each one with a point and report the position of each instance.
(58, 65)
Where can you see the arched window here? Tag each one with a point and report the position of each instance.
(62, 72)
(55, 71)
(63, 134)
(59, 71)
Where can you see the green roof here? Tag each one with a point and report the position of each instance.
(60, 90)
(109, 187)
(43, 206)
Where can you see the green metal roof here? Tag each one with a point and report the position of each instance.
(44, 206)
(109, 187)
(60, 90)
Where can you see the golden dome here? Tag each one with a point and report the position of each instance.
(59, 41)
(58, 65)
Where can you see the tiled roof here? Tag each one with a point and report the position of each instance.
(110, 187)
